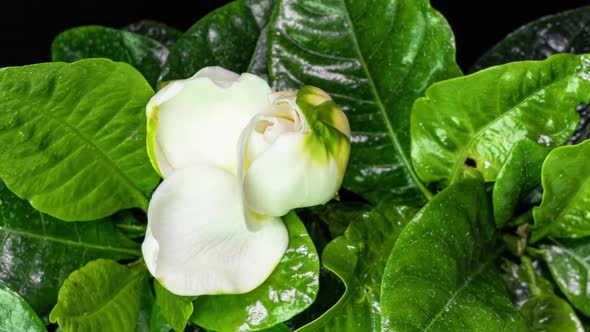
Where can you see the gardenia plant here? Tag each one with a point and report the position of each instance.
(296, 165)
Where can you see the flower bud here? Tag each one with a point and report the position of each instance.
(293, 156)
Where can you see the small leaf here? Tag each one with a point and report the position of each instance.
(565, 209)
(473, 122)
(565, 32)
(290, 289)
(545, 311)
(569, 264)
(374, 58)
(358, 258)
(101, 296)
(72, 135)
(16, 314)
(232, 37)
(38, 252)
(441, 274)
(157, 31)
(145, 54)
(176, 309)
(520, 174)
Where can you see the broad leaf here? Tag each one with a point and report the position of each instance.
(143, 53)
(157, 31)
(290, 289)
(569, 263)
(474, 121)
(72, 135)
(101, 296)
(38, 252)
(566, 32)
(520, 174)
(358, 257)
(441, 274)
(146, 304)
(233, 37)
(565, 209)
(374, 58)
(175, 309)
(545, 311)
(16, 314)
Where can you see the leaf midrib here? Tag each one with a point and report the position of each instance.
(99, 152)
(69, 242)
(460, 289)
(425, 192)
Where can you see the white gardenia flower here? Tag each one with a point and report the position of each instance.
(235, 158)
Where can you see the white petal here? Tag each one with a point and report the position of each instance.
(284, 177)
(197, 241)
(200, 119)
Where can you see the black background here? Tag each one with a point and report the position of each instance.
(28, 27)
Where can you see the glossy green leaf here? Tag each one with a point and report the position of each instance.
(146, 304)
(569, 263)
(474, 121)
(565, 209)
(358, 257)
(157, 31)
(158, 322)
(73, 135)
(176, 309)
(38, 252)
(550, 313)
(290, 289)
(566, 32)
(145, 54)
(520, 174)
(374, 58)
(101, 296)
(233, 37)
(441, 275)
(545, 311)
(16, 314)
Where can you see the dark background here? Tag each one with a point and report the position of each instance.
(28, 27)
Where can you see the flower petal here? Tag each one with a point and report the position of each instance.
(200, 119)
(197, 241)
(284, 177)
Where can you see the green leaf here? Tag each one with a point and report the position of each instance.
(290, 289)
(358, 257)
(176, 309)
(374, 58)
(545, 311)
(38, 252)
(146, 305)
(16, 314)
(145, 54)
(550, 313)
(233, 37)
(158, 322)
(72, 137)
(564, 210)
(157, 31)
(101, 296)
(441, 274)
(518, 177)
(569, 264)
(566, 32)
(473, 122)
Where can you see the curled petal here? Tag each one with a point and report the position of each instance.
(197, 242)
(200, 119)
(293, 156)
